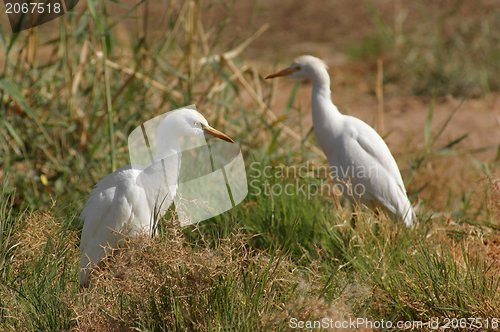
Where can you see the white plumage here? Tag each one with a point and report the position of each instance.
(128, 201)
(356, 153)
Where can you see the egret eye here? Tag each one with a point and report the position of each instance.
(197, 124)
(297, 68)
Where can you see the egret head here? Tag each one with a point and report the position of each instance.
(188, 122)
(304, 67)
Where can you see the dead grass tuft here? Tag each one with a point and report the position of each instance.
(163, 282)
(456, 185)
(39, 233)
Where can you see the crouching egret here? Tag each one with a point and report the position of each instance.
(360, 161)
(123, 204)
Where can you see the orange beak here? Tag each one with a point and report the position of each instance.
(215, 133)
(284, 72)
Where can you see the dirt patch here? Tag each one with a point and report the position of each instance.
(324, 27)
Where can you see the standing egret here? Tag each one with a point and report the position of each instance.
(360, 161)
(126, 203)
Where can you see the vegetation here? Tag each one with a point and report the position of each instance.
(445, 52)
(68, 101)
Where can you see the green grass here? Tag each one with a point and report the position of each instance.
(442, 52)
(274, 257)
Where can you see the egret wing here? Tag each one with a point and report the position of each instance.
(112, 210)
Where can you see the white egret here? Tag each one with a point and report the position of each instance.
(359, 159)
(125, 204)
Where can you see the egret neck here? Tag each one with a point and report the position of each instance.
(324, 113)
(167, 141)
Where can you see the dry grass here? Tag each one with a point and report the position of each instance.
(167, 284)
(273, 257)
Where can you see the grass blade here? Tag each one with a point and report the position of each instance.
(447, 121)
(3, 42)
(428, 122)
(452, 143)
(17, 96)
